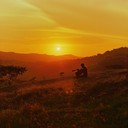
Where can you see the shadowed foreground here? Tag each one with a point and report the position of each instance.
(100, 102)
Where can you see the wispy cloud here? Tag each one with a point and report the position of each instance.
(80, 21)
(108, 17)
(90, 17)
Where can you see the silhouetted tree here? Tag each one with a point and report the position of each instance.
(11, 72)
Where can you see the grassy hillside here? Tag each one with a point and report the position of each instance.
(101, 101)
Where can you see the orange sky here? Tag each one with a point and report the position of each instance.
(79, 27)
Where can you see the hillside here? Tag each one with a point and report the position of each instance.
(117, 58)
(11, 56)
(101, 101)
(114, 57)
(96, 103)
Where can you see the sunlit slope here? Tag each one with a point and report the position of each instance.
(115, 59)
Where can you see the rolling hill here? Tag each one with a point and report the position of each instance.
(45, 66)
(11, 56)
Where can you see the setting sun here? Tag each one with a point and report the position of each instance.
(63, 63)
(58, 49)
(47, 27)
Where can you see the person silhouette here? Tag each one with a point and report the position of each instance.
(77, 73)
(84, 71)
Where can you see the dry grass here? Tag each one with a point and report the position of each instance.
(100, 102)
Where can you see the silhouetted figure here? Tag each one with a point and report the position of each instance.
(84, 72)
(78, 73)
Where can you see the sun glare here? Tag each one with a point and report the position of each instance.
(58, 49)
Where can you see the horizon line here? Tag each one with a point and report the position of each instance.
(28, 53)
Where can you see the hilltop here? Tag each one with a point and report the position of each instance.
(114, 57)
(95, 103)
(101, 101)
(50, 66)
(33, 57)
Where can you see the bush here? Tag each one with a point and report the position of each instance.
(10, 73)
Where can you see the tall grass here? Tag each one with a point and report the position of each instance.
(97, 103)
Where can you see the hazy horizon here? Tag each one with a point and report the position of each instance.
(27, 53)
(81, 28)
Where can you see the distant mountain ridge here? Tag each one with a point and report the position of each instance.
(117, 56)
(32, 57)
(49, 68)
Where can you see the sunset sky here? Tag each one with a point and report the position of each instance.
(56, 27)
